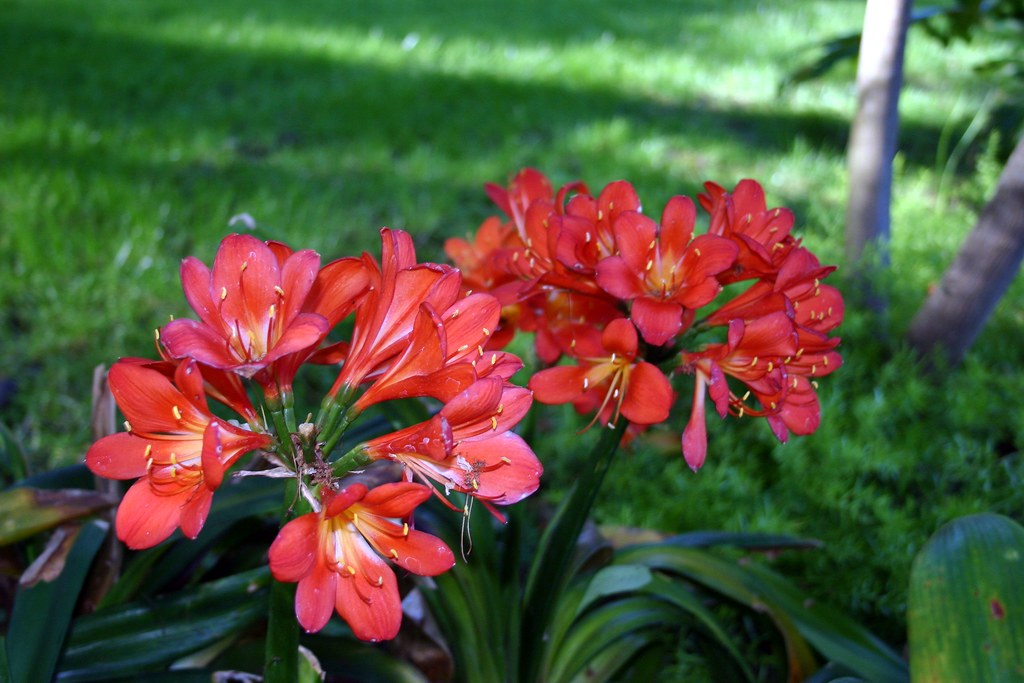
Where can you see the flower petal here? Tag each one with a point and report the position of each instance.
(315, 597)
(293, 553)
(658, 321)
(560, 384)
(372, 610)
(144, 519)
(649, 395)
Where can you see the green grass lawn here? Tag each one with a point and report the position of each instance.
(130, 133)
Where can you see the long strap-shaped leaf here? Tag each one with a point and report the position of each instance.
(147, 636)
(828, 630)
(41, 615)
(549, 571)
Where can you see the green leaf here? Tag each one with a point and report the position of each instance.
(26, 511)
(966, 603)
(640, 618)
(360, 662)
(799, 620)
(42, 613)
(615, 579)
(765, 542)
(149, 635)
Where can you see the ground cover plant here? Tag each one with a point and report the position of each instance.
(131, 133)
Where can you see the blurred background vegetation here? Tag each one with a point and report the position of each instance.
(130, 133)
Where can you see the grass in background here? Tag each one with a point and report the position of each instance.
(131, 132)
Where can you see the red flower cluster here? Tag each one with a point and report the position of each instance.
(265, 311)
(626, 300)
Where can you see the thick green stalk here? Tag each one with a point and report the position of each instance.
(551, 565)
(281, 662)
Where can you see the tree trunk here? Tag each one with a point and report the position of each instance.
(872, 142)
(956, 311)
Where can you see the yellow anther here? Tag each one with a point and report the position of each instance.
(600, 215)
(351, 570)
(463, 348)
(586, 385)
(753, 362)
(773, 405)
(742, 410)
(696, 251)
(515, 256)
(174, 459)
(380, 581)
(156, 334)
(799, 352)
(506, 460)
(223, 293)
(279, 290)
(587, 236)
(814, 369)
(174, 472)
(829, 314)
(127, 426)
(746, 396)
(394, 553)
(650, 264)
(795, 382)
(480, 349)
(494, 423)
(245, 264)
(771, 366)
(455, 313)
(501, 407)
(405, 529)
(177, 412)
(487, 332)
(814, 384)
(148, 452)
(494, 358)
(272, 311)
(824, 360)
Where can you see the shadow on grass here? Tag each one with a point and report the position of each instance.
(250, 107)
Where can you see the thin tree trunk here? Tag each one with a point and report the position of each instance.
(956, 311)
(872, 144)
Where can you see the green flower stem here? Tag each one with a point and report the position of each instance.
(355, 459)
(284, 442)
(333, 436)
(281, 661)
(288, 403)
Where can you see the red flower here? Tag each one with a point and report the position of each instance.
(250, 307)
(468, 446)
(174, 444)
(662, 271)
(608, 374)
(386, 315)
(586, 233)
(762, 234)
(336, 556)
(754, 353)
